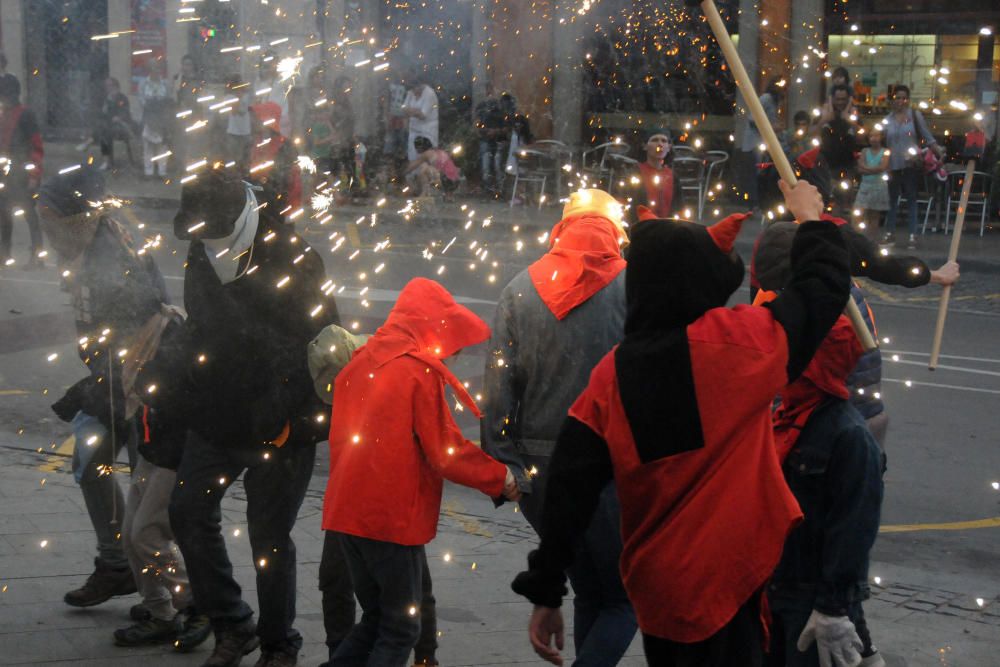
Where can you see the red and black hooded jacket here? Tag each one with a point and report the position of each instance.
(393, 440)
(679, 415)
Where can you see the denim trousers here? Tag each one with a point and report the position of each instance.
(905, 181)
(275, 487)
(388, 581)
(339, 608)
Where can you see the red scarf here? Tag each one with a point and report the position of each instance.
(584, 256)
(660, 196)
(825, 376)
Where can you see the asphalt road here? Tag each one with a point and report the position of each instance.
(941, 511)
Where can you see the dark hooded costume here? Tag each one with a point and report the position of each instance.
(679, 415)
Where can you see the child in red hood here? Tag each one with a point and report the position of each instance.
(392, 443)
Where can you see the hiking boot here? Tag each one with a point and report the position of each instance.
(232, 644)
(276, 659)
(102, 585)
(139, 612)
(150, 631)
(196, 629)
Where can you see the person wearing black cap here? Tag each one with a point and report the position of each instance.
(237, 378)
(114, 291)
(653, 184)
(21, 156)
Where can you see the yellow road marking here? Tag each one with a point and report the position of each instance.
(868, 286)
(992, 522)
(353, 236)
(56, 462)
(13, 392)
(471, 526)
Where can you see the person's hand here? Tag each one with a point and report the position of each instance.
(837, 641)
(546, 624)
(947, 275)
(804, 200)
(510, 490)
(938, 151)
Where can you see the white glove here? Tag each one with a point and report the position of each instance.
(836, 640)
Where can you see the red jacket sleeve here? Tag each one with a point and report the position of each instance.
(447, 451)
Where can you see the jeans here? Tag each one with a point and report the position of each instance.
(905, 181)
(737, 644)
(275, 488)
(603, 620)
(149, 542)
(101, 494)
(24, 201)
(491, 158)
(388, 580)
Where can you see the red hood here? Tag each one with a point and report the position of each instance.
(584, 256)
(826, 375)
(427, 323)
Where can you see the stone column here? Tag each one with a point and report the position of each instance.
(749, 44)
(12, 20)
(478, 53)
(567, 80)
(177, 40)
(807, 32)
(120, 48)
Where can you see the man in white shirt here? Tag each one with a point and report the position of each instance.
(421, 107)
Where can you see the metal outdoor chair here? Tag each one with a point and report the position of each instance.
(690, 174)
(684, 151)
(531, 168)
(716, 168)
(619, 164)
(979, 196)
(558, 155)
(595, 161)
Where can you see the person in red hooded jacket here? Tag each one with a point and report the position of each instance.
(273, 159)
(679, 415)
(393, 442)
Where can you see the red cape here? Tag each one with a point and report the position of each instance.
(659, 195)
(584, 257)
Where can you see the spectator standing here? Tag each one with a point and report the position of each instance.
(837, 129)
(270, 88)
(493, 126)
(154, 95)
(653, 184)
(115, 122)
(797, 139)
(873, 193)
(318, 128)
(21, 145)
(905, 129)
(342, 126)
(421, 107)
(236, 148)
(774, 93)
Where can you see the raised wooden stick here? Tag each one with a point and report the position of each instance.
(956, 238)
(763, 124)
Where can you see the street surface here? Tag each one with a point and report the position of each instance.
(935, 581)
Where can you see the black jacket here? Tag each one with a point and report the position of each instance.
(236, 371)
(835, 472)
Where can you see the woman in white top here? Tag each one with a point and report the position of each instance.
(421, 107)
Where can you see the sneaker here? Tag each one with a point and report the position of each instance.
(232, 644)
(102, 585)
(197, 628)
(150, 631)
(139, 612)
(276, 659)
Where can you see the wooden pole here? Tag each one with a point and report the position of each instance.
(763, 124)
(956, 238)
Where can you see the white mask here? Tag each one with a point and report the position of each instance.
(225, 253)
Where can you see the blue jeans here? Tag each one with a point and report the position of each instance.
(275, 488)
(603, 620)
(388, 581)
(491, 158)
(907, 182)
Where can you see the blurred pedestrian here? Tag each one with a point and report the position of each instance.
(270, 87)
(797, 139)
(751, 148)
(873, 193)
(342, 138)
(837, 129)
(905, 129)
(22, 154)
(157, 117)
(273, 159)
(493, 127)
(237, 138)
(554, 322)
(115, 291)
(390, 414)
(237, 380)
(115, 122)
(432, 169)
(420, 106)
(190, 85)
